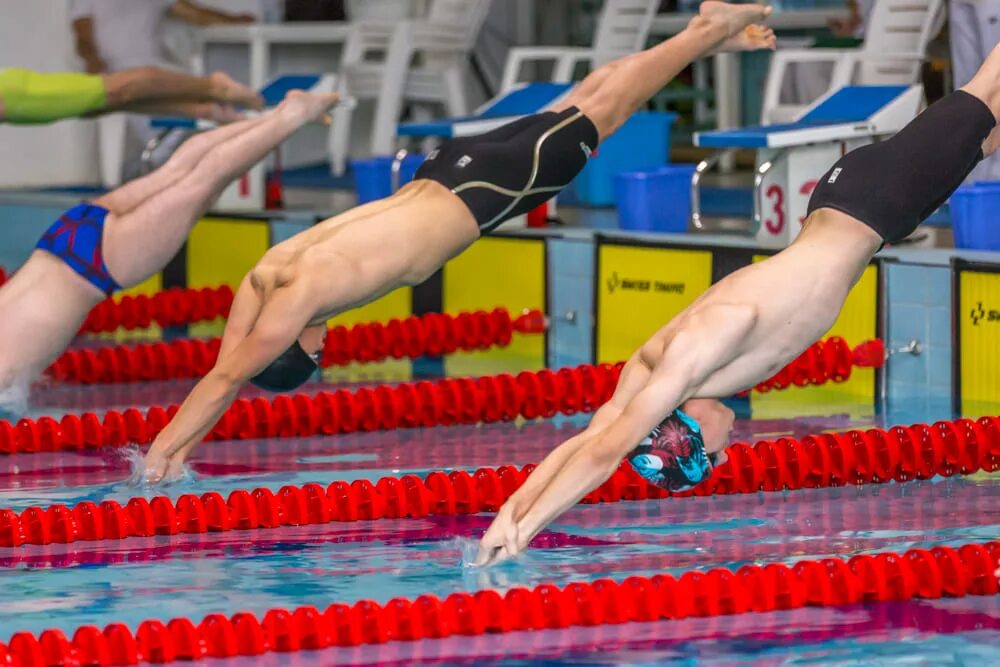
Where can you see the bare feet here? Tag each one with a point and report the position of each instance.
(752, 38)
(230, 91)
(734, 18)
(313, 106)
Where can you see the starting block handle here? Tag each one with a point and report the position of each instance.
(758, 186)
(397, 164)
(699, 171)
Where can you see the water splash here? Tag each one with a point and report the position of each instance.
(14, 400)
(138, 478)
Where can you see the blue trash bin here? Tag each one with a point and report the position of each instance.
(975, 216)
(373, 176)
(655, 200)
(643, 142)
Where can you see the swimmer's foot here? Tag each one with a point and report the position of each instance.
(310, 106)
(232, 92)
(752, 38)
(731, 19)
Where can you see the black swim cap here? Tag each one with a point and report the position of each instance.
(289, 371)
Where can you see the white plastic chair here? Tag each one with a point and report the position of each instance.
(894, 49)
(422, 61)
(622, 28)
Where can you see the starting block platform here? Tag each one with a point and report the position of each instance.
(791, 157)
(523, 100)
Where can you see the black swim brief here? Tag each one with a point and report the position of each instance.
(895, 185)
(510, 170)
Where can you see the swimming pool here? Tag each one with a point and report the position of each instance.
(96, 583)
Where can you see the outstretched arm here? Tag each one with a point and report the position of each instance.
(709, 342)
(672, 381)
(281, 321)
(195, 14)
(501, 533)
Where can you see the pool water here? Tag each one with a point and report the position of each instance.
(65, 586)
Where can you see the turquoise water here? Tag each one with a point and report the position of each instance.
(65, 586)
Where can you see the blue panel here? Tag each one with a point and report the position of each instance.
(22, 225)
(755, 137)
(854, 104)
(939, 367)
(938, 279)
(908, 284)
(939, 327)
(170, 123)
(530, 98)
(571, 268)
(275, 91)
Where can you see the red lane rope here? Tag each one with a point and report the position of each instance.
(434, 335)
(172, 307)
(828, 582)
(924, 505)
(830, 360)
(487, 399)
(450, 401)
(875, 456)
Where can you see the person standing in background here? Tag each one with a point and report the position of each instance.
(974, 27)
(112, 35)
(116, 35)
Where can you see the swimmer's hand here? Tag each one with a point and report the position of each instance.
(502, 540)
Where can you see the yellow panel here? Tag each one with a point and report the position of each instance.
(398, 305)
(858, 322)
(640, 289)
(494, 272)
(221, 251)
(979, 326)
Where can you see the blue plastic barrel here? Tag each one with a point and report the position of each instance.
(373, 176)
(655, 200)
(975, 216)
(643, 142)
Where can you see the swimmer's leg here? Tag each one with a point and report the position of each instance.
(129, 196)
(986, 86)
(145, 84)
(140, 243)
(615, 91)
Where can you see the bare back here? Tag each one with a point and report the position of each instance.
(774, 309)
(383, 245)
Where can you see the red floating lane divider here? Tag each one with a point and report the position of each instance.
(830, 360)
(486, 399)
(173, 307)
(433, 335)
(875, 456)
(828, 582)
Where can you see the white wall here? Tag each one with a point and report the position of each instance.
(36, 35)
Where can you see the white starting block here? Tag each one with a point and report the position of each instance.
(247, 193)
(791, 157)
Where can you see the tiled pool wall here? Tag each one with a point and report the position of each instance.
(916, 298)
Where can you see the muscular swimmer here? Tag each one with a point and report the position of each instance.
(464, 190)
(750, 324)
